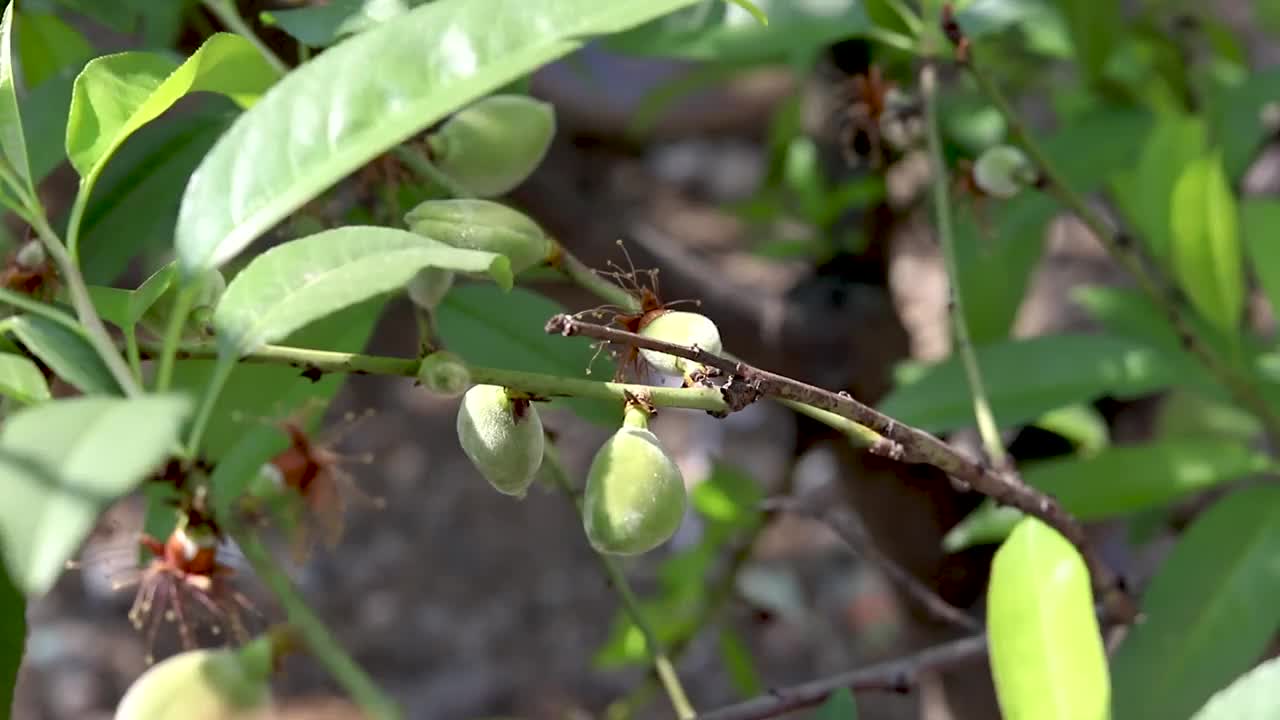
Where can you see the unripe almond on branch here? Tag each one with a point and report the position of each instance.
(491, 146)
(501, 434)
(482, 225)
(1003, 171)
(444, 373)
(429, 287)
(681, 328)
(209, 684)
(635, 497)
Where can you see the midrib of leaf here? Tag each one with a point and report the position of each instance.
(1212, 607)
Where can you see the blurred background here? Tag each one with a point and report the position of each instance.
(755, 186)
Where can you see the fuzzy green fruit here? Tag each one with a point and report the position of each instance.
(635, 497)
(208, 684)
(491, 146)
(681, 328)
(502, 436)
(1003, 171)
(444, 373)
(482, 225)
(429, 287)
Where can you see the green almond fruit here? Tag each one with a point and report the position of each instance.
(444, 373)
(208, 684)
(502, 436)
(682, 328)
(635, 497)
(1003, 171)
(483, 225)
(491, 146)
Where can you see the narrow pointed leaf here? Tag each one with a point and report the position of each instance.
(21, 380)
(331, 115)
(63, 462)
(117, 94)
(1206, 244)
(1260, 230)
(298, 282)
(68, 354)
(12, 142)
(1069, 369)
(1253, 696)
(1210, 611)
(1047, 657)
(1145, 193)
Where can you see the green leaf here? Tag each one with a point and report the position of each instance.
(1185, 414)
(735, 656)
(1104, 140)
(987, 17)
(995, 261)
(111, 303)
(135, 202)
(323, 25)
(434, 60)
(720, 31)
(21, 380)
(64, 462)
(1236, 117)
(728, 497)
(117, 94)
(1260, 230)
(1144, 193)
(1120, 481)
(44, 122)
(67, 353)
(486, 326)
(1083, 425)
(12, 143)
(1047, 657)
(1069, 369)
(839, 705)
(1253, 696)
(300, 281)
(1210, 611)
(46, 45)
(1096, 31)
(13, 637)
(1206, 246)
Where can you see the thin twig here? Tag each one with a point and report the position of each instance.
(855, 538)
(988, 430)
(899, 676)
(662, 664)
(918, 446)
(1124, 248)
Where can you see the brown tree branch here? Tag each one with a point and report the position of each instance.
(855, 538)
(918, 446)
(899, 675)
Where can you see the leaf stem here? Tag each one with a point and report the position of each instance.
(94, 330)
(173, 335)
(662, 664)
(987, 427)
(318, 639)
(425, 168)
(225, 11)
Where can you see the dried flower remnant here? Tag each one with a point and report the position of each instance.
(310, 470)
(30, 271)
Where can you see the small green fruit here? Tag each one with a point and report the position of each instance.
(482, 225)
(681, 328)
(491, 146)
(444, 373)
(1003, 171)
(208, 684)
(502, 436)
(429, 287)
(635, 496)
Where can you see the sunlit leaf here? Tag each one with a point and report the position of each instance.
(1253, 696)
(63, 462)
(1206, 245)
(21, 380)
(1046, 648)
(331, 115)
(1210, 611)
(1083, 425)
(1145, 193)
(300, 281)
